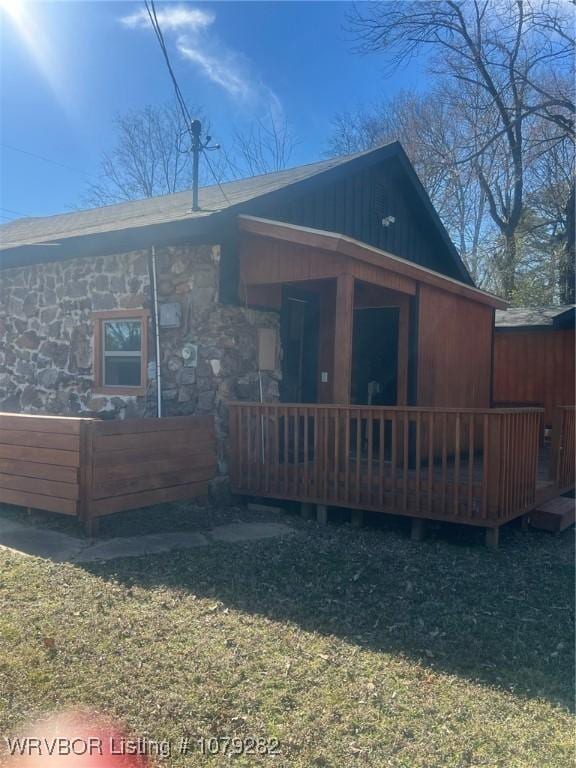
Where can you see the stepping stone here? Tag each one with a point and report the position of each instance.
(555, 515)
(249, 531)
(137, 546)
(37, 542)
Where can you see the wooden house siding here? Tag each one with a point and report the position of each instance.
(534, 366)
(355, 206)
(454, 350)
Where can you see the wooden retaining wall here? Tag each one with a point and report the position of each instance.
(93, 468)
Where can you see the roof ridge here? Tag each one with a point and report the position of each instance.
(336, 160)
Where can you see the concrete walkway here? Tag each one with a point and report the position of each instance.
(59, 547)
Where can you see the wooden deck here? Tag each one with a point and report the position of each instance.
(91, 468)
(473, 466)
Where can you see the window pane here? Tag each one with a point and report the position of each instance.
(122, 371)
(122, 336)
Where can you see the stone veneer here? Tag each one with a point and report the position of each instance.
(46, 337)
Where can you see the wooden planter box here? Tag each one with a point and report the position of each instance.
(91, 468)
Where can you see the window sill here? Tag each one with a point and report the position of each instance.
(126, 391)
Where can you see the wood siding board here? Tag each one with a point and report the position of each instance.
(62, 425)
(40, 455)
(122, 503)
(40, 486)
(39, 439)
(23, 468)
(38, 501)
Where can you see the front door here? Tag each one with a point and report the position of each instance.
(375, 356)
(299, 334)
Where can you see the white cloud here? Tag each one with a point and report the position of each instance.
(176, 19)
(197, 44)
(226, 74)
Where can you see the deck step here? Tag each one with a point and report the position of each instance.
(554, 515)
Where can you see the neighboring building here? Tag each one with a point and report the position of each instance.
(534, 358)
(331, 282)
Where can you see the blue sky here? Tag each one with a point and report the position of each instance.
(68, 67)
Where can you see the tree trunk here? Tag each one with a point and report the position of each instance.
(508, 266)
(566, 276)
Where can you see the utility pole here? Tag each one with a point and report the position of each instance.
(196, 130)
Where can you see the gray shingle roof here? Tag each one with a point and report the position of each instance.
(157, 210)
(518, 317)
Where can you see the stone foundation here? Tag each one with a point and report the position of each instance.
(46, 337)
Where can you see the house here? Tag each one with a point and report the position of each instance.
(331, 288)
(534, 357)
(71, 282)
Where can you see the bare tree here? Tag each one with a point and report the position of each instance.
(431, 133)
(265, 146)
(501, 61)
(151, 157)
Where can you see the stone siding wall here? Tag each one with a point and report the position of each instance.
(46, 337)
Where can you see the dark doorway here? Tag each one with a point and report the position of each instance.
(375, 356)
(299, 333)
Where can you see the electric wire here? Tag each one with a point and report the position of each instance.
(216, 179)
(151, 9)
(45, 159)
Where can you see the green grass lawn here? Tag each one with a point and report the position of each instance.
(352, 648)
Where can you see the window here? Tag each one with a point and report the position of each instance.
(120, 347)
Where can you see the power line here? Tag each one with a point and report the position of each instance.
(10, 210)
(45, 159)
(216, 179)
(198, 146)
(150, 7)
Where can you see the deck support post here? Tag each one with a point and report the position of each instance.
(343, 338)
(417, 528)
(492, 537)
(306, 510)
(322, 514)
(357, 518)
(92, 526)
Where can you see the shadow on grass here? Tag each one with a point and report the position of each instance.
(503, 619)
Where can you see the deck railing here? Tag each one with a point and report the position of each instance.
(470, 465)
(563, 458)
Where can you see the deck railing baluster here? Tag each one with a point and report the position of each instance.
(347, 417)
(381, 449)
(370, 428)
(444, 488)
(471, 446)
(405, 459)
(456, 478)
(430, 461)
(417, 458)
(336, 483)
(306, 490)
(358, 454)
(393, 461)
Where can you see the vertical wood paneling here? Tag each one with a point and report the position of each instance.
(535, 367)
